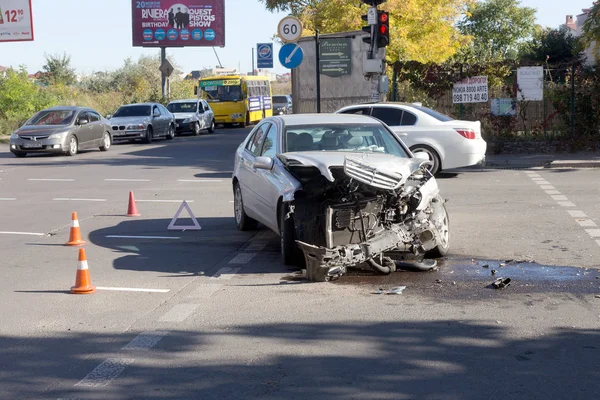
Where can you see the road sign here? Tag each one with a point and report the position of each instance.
(335, 57)
(290, 55)
(166, 68)
(264, 52)
(289, 29)
(372, 16)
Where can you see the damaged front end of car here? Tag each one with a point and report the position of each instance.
(354, 213)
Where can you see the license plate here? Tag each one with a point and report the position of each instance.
(32, 145)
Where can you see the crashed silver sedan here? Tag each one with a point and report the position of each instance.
(340, 190)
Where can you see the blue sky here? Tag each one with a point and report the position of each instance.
(97, 34)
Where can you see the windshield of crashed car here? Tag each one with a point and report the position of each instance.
(343, 137)
(62, 117)
(133, 111)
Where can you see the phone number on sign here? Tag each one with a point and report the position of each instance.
(469, 97)
(147, 4)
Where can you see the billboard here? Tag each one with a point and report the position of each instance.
(178, 23)
(16, 21)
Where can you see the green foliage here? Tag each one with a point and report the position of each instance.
(58, 70)
(498, 28)
(591, 28)
(556, 47)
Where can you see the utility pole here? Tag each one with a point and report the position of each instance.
(163, 57)
(318, 61)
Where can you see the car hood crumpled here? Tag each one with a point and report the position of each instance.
(324, 160)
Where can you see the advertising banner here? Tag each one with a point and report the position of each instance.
(530, 82)
(178, 23)
(503, 107)
(264, 53)
(16, 22)
(471, 90)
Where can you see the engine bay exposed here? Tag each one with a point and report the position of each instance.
(366, 211)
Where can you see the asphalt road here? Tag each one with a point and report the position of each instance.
(213, 314)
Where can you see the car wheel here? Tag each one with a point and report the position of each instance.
(148, 138)
(287, 236)
(433, 157)
(171, 133)
(441, 220)
(196, 129)
(243, 222)
(19, 154)
(212, 127)
(73, 146)
(106, 142)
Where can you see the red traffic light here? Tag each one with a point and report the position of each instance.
(383, 17)
(383, 29)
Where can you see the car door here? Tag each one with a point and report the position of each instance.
(84, 132)
(392, 117)
(247, 174)
(265, 183)
(208, 116)
(158, 121)
(201, 115)
(97, 128)
(168, 117)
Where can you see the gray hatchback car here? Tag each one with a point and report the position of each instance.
(63, 130)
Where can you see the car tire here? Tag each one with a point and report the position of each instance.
(444, 230)
(432, 154)
(287, 237)
(19, 154)
(148, 137)
(73, 146)
(243, 222)
(196, 129)
(211, 129)
(171, 133)
(106, 142)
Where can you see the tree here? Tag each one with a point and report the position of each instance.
(591, 28)
(498, 29)
(58, 70)
(554, 47)
(421, 30)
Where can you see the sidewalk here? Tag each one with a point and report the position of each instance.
(560, 160)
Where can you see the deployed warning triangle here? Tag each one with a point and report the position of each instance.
(172, 225)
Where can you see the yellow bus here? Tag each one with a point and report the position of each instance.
(237, 99)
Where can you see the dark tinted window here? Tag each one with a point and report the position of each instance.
(269, 148)
(434, 114)
(133, 111)
(408, 118)
(390, 116)
(182, 107)
(357, 111)
(280, 99)
(256, 141)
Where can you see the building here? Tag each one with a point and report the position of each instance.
(575, 25)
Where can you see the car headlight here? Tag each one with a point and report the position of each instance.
(14, 136)
(135, 127)
(59, 135)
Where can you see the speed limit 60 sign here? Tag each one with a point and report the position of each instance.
(290, 29)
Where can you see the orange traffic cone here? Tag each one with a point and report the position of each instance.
(83, 282)
(75, 234)
(132, 209)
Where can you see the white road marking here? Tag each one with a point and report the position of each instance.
(204, 291)
(538, 178)
(179, 313)
(559, 197)
(22, 233)
(105, 373)
(7, 198)
(256, 246)
(565, 204)
(598, 241)
(542, 182)
(163, 201)
(226, 272)
(51, 180)
(546, 187)
(199, 180)
(593, 232)
(552, 192)
(122, 289)
(532, 174)
(75, 199)
(577, 213)
(127, 180)
(242, 258)
(586, 222)
(145, 340)
(143, 237)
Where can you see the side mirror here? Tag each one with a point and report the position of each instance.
(108, 116)
(263, 163)
(83, 121)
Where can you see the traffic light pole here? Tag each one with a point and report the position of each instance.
(318, 60)
(374, 56)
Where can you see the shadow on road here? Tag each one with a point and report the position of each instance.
(444, 359)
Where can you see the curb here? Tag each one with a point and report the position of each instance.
(575, 164)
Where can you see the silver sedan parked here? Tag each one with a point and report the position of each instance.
(340, 190)
(63, 130)
(145, 121)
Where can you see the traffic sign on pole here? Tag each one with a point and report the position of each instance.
(289, 29)
(264, 52)
(291, 55)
